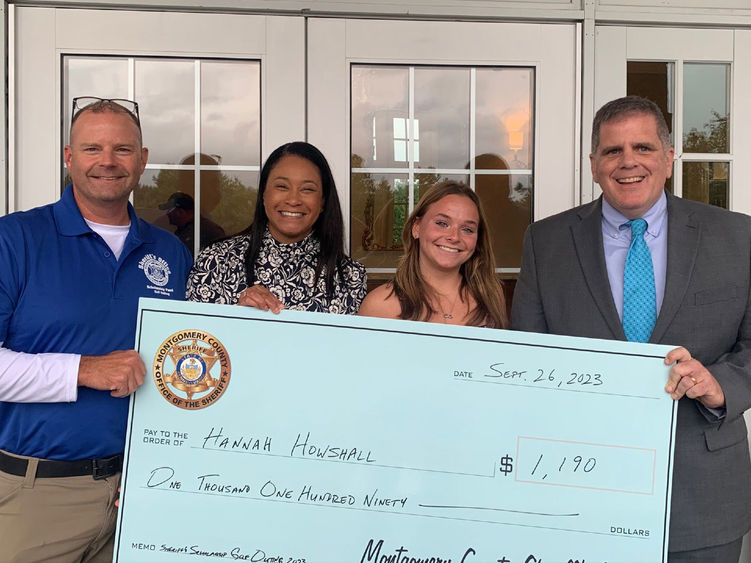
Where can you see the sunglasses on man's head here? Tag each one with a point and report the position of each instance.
(93, 103)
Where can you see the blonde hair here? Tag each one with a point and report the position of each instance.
(478, 273)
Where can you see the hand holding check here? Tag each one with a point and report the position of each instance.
(689, 377)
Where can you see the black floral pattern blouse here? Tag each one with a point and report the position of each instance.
(287, 270)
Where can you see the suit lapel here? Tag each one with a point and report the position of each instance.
(588, 242)
(683, 243)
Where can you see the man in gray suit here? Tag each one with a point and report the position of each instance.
(572, 282)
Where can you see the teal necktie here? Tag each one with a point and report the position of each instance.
(639, 299)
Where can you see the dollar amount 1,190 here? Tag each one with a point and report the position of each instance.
(583, 464)
(573, 464)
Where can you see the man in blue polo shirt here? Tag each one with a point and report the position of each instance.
(70, 277)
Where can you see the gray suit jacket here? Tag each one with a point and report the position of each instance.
(563, 288)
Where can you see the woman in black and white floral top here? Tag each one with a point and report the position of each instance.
(292, 256)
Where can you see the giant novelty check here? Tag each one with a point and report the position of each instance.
(305, 437)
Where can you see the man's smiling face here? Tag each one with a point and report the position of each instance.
(105, 158)
(631, 164)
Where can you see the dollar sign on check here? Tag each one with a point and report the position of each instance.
(507, 464)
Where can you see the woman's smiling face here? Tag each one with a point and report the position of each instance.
(293, 198)
(447, 232)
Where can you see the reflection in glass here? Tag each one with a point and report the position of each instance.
(238, 203)
(379, 210)
(230, 111)
(380, 207)
(507, 201)
(653, 80)
(229, 131)
(705, 107)
(103, 78)
(426, 180)
(180, 206)
(165, 92)
(442, 110)
(401, 140)
(164, 198)
(706, 182)
(379, 105)
(503, 124)
(503, 111)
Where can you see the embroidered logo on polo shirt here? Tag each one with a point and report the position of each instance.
(157, 272)
(191, 369)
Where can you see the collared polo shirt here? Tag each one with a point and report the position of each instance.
(62, 290)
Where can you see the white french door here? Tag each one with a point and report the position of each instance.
(399, 105)
(701, 79)
(217, 92)
(492, 104)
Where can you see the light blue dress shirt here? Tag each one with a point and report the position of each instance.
(616, 239)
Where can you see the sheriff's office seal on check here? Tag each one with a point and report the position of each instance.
(183, 369)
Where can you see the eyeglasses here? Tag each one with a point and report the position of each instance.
(93, 103)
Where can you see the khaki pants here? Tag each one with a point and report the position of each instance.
(65, 520)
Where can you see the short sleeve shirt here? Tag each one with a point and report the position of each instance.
(62, 290)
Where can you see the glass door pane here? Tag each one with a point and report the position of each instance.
(699, 122)
(414, 126)
(655, 81)
(201, 122)
(484, 103)
(706, 103)
(707, 182)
